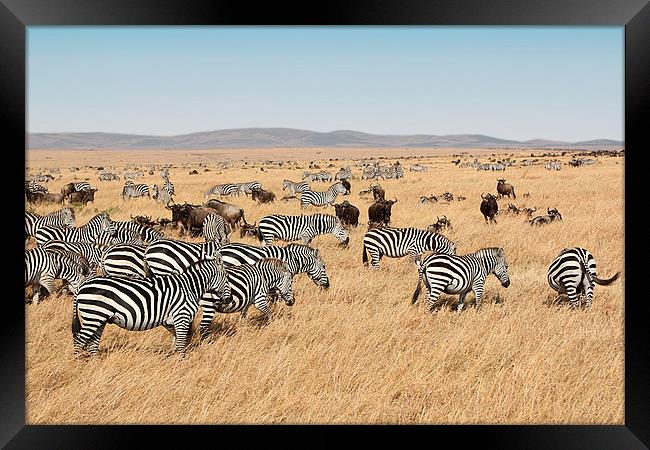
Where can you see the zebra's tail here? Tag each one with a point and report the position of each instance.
(365, 255)
(244, 219)
(76, 324)
(416, 294)
(606, 281)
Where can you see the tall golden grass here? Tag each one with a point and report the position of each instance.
(360, 352)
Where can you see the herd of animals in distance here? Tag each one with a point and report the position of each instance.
(130, 274)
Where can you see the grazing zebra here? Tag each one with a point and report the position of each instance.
(250, 284)
(124, 261)
(294, 188)
(147, 233)
(327, 198)
(108, 176)
(33, 187)
(145, 304)
(398, 242)
(133, 175)
(371, 172)
(573, 272)
(345, 173)
(418, 168)
(132, 190)
(64, 218)
(305, 227)
(216, 229)
(246, 188)
(222, 189)
(398, 170)
(300, 258)
(119, 237)
(86, 233)
(169, 256)
(91, 252)
(42, 267)
(318, 176)
(553, 165)
(455, 274)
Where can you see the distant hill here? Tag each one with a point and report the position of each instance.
(288, 137)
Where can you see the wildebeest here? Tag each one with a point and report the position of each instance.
(190, 217)
(262, 196)
(504, 189)
(529, 211)
(82, 197)
(442, 223)
(348, 213)
(233, 214)
(378, 192)
(489, 207)
(144, 220)
(550, 216)
(249, 230)
(44, 197)
(379, 212)
(194, 172)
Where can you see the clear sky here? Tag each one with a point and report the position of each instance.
(563, 83)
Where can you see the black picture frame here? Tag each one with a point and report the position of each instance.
(634, 15)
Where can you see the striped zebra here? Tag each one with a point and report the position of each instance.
(91, 252)
(42, 267)
(300, 258)
(33, 187)
(454, 274)
(119, 237)
(169, 256)
(85, 233)
(132, 190)
(418, 168)
(398, 242)
(573, 272)
(82, 186)
(63, 218)
(222, 189)
(145, 304)
(371, 172)
(398, 170)
(161, 195)
(317, 176)
(250, 284)
(216, 229)
(345, 173)
(146, 233)
(294, 187)
(167, 186)
(327, 198)
(305, 227)
(108, 176)
(124, 261)
(246, 188)
(553, 165)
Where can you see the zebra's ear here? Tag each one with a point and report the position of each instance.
(501, 252)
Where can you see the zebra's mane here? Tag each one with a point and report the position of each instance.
(273, 263)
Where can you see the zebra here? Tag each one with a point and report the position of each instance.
(216, 229)
(318, 176)
(573, 272)
(398, 170)
(294, 188)
(305, 227)
(33, 187)
(85, 233)
(370, 172)
(300, 258)
(63, 218)
(250, 284)
(42, 267)
(82, 186)
(91, 252)
(454, 274)
(161, 195)
(147, 233)
(398, 242)
(327, 198)
(145, 304)
(167, 186)
(222, 189)
(124, 261)
(246, 188)
(345, 173)
(418, 168)
(132, 190)
(169, 256)
(122, 236)
(553, 165)
(133, 175)
(108, 176)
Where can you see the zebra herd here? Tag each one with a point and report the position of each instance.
(148, 280)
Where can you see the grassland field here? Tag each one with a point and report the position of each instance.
(358, 353)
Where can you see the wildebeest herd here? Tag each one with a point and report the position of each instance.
(134, 275)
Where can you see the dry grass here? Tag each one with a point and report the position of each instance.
(359, 352)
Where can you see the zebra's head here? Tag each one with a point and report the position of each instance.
(68, 217)
(218, 288)
(279, 277)
(308, 259)
(501, 267)
(341, 233)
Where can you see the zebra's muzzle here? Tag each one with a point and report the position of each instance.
(506, 283)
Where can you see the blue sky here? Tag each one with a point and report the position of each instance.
(521, 83)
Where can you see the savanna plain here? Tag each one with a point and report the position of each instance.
(359, 352)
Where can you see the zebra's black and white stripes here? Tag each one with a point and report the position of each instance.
(345, 173)
(124, 261)
(454, 274)
(222, 189)
(294, 187)
(63, 218)
(318, 198)
(305, 227)
(91, 252)
(86, 233)
(573, 272)
(137, 305)
(398, 242)
(132, 190)
(42, 267)
(216, 229)
(168, 256)
(249, 285)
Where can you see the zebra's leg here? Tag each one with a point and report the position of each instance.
(432, 297)
(93, 342)
(182, 328)
(209, 311)
(375, 257)
(588, 288)
(46, 281)
(478, 292)
(262, 304)
(573, 295)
